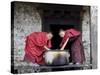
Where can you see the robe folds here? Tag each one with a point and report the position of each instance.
(77, 51)
(34, 48)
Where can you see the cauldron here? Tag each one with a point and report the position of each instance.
(56, 57)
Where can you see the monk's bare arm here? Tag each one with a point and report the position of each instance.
(46, 48)
(62, 48)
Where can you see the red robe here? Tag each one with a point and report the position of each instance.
(77, 52)
(34, 48)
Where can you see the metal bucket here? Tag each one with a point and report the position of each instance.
(56, 57)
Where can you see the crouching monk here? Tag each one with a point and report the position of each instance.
(36, 44)
(74, 36)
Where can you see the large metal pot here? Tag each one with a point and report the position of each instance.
(56, 57)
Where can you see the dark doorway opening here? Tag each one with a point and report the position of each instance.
(56, 40)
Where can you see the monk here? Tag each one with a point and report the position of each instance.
(36, 44)
(74, 37)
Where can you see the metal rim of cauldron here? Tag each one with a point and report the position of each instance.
(56, 50)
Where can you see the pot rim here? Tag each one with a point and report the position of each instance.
(53, 50)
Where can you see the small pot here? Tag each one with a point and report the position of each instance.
(56, 57)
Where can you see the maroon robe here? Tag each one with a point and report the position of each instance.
(77, 52)
(34, 47)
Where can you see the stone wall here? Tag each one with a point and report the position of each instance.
(89, 34)
(93, 11)
(26, 21)
(86, 33)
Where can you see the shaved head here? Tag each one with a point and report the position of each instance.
(61, 33)
(49, 35)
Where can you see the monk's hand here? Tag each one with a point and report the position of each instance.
(49, 49)
(61, 49)
(46, 48)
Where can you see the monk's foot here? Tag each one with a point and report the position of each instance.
(77, 63)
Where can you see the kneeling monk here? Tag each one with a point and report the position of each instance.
(36, 44)
(73, 36)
